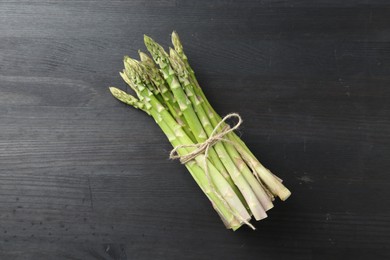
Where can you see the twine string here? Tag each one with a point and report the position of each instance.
(213, 139)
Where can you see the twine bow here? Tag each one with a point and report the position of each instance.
(203, 148)
(213, 139)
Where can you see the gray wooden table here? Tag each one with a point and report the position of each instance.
(82, 176)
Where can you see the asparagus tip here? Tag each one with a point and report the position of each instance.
(147, 40)
(145, 58)
(175, 36)
(119, 94)
(176, 41)
(142, 55)
(116, 92)
(113, 90)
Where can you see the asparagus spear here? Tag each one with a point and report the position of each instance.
(270, 181)
(230, 157)
(217, 154)
(161, 58)
(163, 117)
(197, 173)
(169, 100)
(235, 182)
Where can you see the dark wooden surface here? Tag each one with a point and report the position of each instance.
(85, 177)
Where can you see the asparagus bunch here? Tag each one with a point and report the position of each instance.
(236, 183)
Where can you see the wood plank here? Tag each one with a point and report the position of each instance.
(82, 176)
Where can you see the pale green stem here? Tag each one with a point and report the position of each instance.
(270, 180)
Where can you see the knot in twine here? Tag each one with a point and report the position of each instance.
(202, 148)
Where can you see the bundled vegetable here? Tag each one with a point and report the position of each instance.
(235, 182)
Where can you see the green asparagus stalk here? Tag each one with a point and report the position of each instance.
(230, 157)
(236, 183)
(145, 88)
(236, 174)
(197, 173)
(270, 181)
(217, 152)
(151, 70)
(162, 59)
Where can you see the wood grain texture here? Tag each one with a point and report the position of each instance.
(85, 177)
